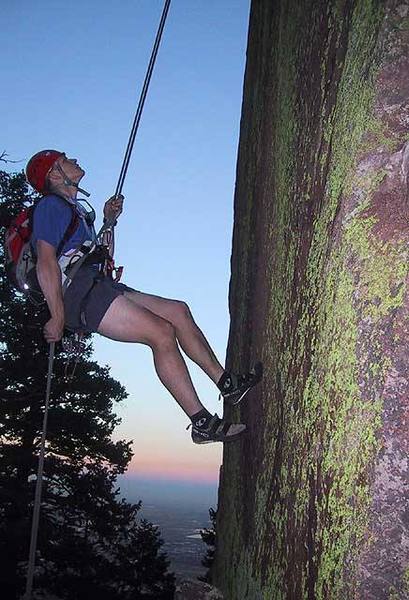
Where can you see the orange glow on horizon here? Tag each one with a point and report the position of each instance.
(176, 471)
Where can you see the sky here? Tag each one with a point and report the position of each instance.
(71, 78)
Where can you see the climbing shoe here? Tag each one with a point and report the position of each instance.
(216, 430)
(234, 387)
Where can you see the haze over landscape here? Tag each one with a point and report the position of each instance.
(181, 510)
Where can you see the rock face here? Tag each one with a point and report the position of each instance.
(314, 501)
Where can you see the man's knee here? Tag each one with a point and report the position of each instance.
(182, 311)
(164, 334)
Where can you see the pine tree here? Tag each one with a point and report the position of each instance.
(90, 542)
(209, 537)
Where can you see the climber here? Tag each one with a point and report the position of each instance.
(94, 302)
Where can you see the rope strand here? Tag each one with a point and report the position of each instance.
(142, 99)
(39, 482)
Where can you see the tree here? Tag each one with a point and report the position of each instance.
(88, 538)
(209, 537)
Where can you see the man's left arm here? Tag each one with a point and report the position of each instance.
(112, 209)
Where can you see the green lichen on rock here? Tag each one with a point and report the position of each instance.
(395, 594)
(332, 283)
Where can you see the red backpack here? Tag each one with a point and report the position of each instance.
(20, 259)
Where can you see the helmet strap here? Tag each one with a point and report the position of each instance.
(70, 183)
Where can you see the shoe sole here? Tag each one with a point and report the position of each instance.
(230, 438)
(258, 375)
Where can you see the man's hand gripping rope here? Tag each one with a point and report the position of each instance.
(113, 208)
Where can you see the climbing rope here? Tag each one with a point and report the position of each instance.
(39, 482)
(108, 225)
(142, 98)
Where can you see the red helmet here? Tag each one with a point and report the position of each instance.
(39, 166)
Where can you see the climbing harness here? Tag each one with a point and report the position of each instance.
(108, 267)
(108, 226)
(74, 347)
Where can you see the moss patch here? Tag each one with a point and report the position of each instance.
(332, 285)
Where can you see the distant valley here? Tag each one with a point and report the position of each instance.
(180, 510)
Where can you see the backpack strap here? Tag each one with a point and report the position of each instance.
(72, 226)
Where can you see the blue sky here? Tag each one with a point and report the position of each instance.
(71, 78)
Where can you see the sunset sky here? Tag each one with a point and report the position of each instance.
(71, 78)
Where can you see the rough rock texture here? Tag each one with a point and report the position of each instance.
(314, 502)
(190, 589)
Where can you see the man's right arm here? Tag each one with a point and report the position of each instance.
(49, 278)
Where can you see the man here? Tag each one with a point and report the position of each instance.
(95, 303)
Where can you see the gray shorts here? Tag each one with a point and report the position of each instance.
(88, 298)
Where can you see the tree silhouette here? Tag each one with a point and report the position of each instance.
(90, 542)
(208, 536)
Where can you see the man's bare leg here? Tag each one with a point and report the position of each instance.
(189, 335)
(126, 321)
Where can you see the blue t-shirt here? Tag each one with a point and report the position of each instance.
(52, 217)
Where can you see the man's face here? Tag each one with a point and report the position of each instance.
(70, 168)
